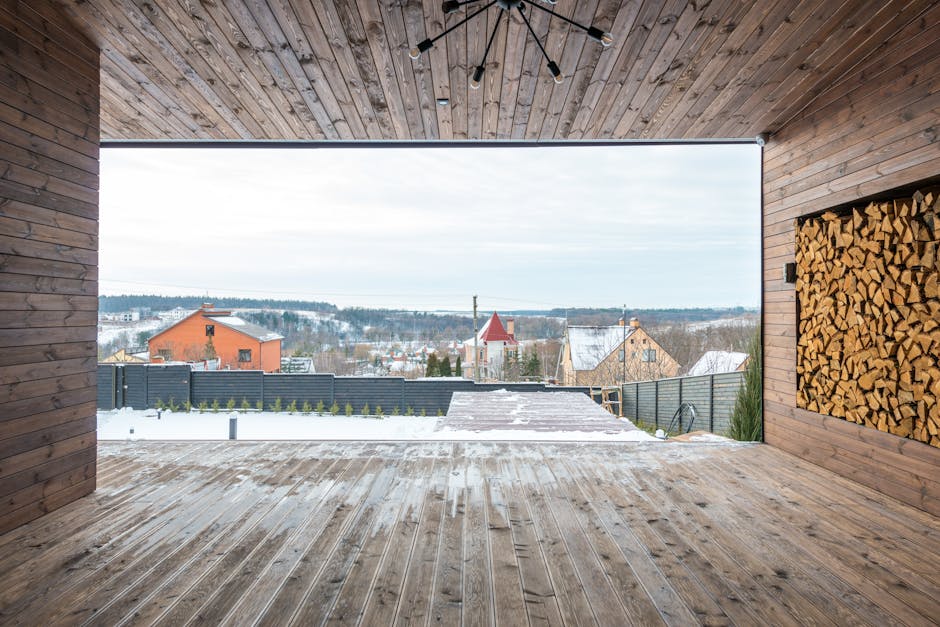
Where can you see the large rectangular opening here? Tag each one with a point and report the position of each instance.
(388, 245)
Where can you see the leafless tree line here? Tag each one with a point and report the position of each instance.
(687, 345)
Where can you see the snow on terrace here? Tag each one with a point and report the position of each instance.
(473, 416)
(136, 424)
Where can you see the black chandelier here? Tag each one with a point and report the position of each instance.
(452, 6)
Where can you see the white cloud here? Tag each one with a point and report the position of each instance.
(646, 225)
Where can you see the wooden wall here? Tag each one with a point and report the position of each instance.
(874, 130)
(48, 261)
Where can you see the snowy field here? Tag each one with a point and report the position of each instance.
(130, 424)
(110, 331)
(744, 321)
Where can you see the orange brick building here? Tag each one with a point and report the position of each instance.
(209, 333)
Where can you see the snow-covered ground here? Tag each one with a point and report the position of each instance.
(110, 331)
(318, 318)
(744, 321)
(131, 424)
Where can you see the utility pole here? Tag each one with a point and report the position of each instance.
(561, 351)
(623, 348)
(476, 350)
(623, 323)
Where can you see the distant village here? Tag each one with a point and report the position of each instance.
(596, 355)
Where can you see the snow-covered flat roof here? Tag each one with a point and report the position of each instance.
(542, 414)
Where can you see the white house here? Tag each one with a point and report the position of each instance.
(123, 316)
(716, 362)
(176, 314)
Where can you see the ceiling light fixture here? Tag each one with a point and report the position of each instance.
(452, 6)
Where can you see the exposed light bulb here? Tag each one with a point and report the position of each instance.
(422, 46)
(605, 39)
(556, 72)
(558, 79)
(477, 77)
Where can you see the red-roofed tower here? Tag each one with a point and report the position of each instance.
(497, 347)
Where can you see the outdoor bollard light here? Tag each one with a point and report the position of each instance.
(233, 426)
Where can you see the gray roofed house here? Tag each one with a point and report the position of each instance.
(609, 355)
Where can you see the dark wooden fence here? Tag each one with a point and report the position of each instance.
(142, 385)
(656, 402)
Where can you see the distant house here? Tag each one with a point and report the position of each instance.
(177, 313)
(496, 349)
(128, 356)
(121, 316)
(716, 362)
(609, 355)
(209, 333)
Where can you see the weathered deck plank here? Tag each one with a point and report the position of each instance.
(470, 533)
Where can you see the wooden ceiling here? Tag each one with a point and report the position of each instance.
(340, 70)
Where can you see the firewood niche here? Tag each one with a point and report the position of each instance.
(868, 303)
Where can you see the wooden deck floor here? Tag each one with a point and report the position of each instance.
(473, 534)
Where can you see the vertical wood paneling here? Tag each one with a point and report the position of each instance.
(48, 261)
(879, 133)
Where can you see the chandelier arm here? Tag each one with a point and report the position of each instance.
(492, 37)
(558, 15)
(534, 36)
(464, 21)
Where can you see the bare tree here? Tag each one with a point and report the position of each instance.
(547, 351)
(334, 361)
(687, 343)
(615, 366)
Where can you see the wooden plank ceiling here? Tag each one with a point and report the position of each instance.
(340, 70)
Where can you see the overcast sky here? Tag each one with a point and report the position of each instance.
(649, 226)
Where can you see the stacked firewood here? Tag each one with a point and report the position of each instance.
(868, 290)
